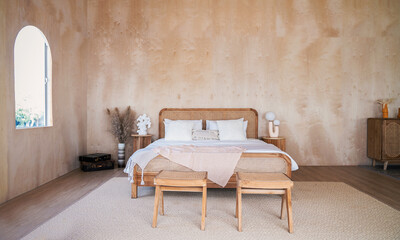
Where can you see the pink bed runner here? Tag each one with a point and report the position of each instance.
(219, 162)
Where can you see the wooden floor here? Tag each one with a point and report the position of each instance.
(23, 214)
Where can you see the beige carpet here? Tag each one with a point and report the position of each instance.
(321, 211)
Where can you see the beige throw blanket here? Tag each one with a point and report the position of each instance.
(219, 162)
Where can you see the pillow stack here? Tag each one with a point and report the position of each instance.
(181, 130)
(212, 125)
(232, 130)
(188, 130)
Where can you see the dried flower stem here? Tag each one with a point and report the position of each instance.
(121, 124)
(384, 101)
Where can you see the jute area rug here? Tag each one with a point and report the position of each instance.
(321, 210)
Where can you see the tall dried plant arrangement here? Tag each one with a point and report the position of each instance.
(384, 101)
(121, 124)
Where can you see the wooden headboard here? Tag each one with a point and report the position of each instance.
(210, 114)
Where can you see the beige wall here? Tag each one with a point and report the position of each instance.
(319, 65)
(3, 109)
(36, 156)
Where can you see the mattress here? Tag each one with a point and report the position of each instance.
(245, 164)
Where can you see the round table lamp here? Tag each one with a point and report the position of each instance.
(270, 116)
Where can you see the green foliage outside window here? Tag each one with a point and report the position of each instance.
(25, 118)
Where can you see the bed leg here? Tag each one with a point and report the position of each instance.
(134, 190)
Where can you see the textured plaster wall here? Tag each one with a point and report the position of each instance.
(319, 65)
(3, 109)
(36, 156)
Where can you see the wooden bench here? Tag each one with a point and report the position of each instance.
(179, 182)
(264, 183)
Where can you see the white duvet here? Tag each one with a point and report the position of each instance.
(143, 156)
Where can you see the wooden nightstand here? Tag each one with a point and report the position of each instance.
(280, 142)
(140, 141)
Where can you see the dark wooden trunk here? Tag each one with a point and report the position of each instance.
(96, 166)
(95, 157)
(96, 161)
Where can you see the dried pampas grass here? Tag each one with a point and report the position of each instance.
(121, 124)
(385, 101)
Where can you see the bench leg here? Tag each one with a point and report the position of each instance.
(156, 201)
(236, 211)
(204, 209)
(283, 206)
(134, 190)
(289, 209)
(239, 212)
(162, 203)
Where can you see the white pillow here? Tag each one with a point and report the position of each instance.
(197, 124)
(231, 130)
(178, 131)
(212, 125)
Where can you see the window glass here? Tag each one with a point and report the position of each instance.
(32, 72)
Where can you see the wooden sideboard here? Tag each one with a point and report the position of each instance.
(383, 140)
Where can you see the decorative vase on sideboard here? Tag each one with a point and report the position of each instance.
(121, 155)
(385, 111)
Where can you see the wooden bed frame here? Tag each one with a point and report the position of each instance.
(248, 114)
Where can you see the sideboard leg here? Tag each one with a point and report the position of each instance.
(385, 165)
(373, 162)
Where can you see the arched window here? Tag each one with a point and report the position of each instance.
(32, 72)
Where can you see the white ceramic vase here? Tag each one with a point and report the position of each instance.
(121, 155)
(273, 130)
